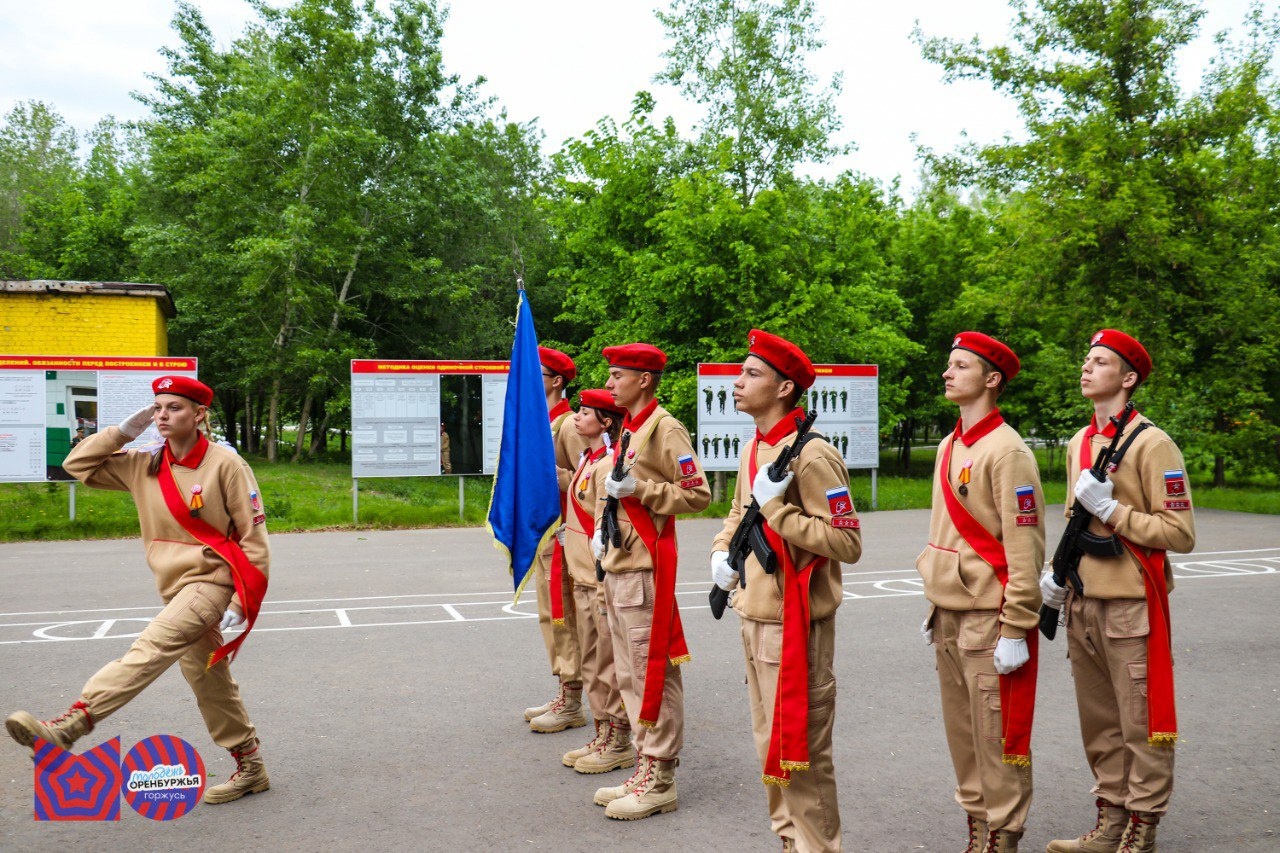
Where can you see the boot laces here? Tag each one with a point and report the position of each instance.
(239, 757)
(973, 835)
(1102, 819)
(993, 841)
(1132, 834)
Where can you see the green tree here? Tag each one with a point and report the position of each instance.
(1132, 204)
(38, 165)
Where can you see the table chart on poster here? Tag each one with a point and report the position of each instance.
(845, 396)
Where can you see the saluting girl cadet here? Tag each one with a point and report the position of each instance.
(599, 423)
(981, 573)
(206, 541)
(1118, 632)
(551, 580)
(664, 478)
(788, 618)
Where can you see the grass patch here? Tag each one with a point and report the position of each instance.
(317, 496)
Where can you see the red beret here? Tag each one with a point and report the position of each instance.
(556, 361)
(992, 350)
(184, 386)
(783, 356)
(1128, 348)
(636, 357)
(598, 398)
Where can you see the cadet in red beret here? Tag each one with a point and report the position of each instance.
(663, 479)
(205, 534)
(598, 423)
(1119, 626)
(981, 570)
(556, 617)
(811, 525)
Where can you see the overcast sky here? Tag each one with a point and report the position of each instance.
(569, 63)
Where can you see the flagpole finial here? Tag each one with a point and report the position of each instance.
(520, 283)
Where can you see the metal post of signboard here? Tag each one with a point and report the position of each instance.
(72, 512)
(355, 500)
(874, 501)
(462, 498)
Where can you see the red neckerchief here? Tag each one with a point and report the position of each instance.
(1162, 712)
(194, 456)
(1018, 688)
(1086, 446)
(555, 573)
(789, 737)
(992, 420)
(250, 582)
(634, 423)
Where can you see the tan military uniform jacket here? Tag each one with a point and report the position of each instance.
(569, 445)
(653, 458)
(955, 577)
(587, 490)
(177, 559)
(803, 518)
(1154, 512)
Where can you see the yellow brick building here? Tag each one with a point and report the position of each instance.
(84, 318)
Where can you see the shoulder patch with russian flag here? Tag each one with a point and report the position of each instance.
(687, 466)
(1026, 496)
(838, 501)
(1175, 483)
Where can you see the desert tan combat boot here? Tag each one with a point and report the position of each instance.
(616, 751)
(1140, 835)
(604, 796)
(530, 713)
(1103, 838)
(566, 712)
(250, 776)
(1002, 841)
(655, 794)
(63, 731)
(602, 734)
(977, 835)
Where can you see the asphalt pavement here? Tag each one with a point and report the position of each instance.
(389, 670)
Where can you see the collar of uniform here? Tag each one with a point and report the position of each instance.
(782, 428)
(196, 456)
(1109, 430)
(635, 423)
(560, 408)
(598, 453)
(981, 428)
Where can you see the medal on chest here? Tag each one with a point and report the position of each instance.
(966, 474)
(197, 502)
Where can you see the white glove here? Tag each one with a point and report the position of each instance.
(623, 488)
(721, 572)
(137, 423)
(1011, 654)
(764, 490)
(560, 535)
(231, 618)
(1095, 496)
(1054, 596)
(597, 545)
(926, 632)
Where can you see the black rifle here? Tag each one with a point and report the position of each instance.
(1066, 559)
(749, 538)
(609, 524)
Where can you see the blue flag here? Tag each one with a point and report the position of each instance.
(525, 505)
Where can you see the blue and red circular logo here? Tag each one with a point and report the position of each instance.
(164, 777)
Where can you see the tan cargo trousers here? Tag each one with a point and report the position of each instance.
(561, 640)
(186, 630)
(629, 600)
(599, 679)
(987, 788)
(1107, 644)
(806, 810)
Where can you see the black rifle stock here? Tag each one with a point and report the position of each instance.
(609, 523)
(749, 538)
(1066, 559)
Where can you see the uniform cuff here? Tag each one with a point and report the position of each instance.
(1012, 632)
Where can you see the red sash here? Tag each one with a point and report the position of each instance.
(1162, 712)
(666, 635)
(555, 574)
(1018, 688)
(789, 737)
(251, 583)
